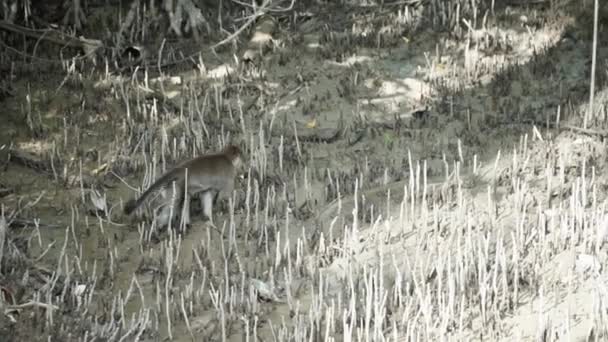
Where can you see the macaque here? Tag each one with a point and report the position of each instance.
(208, 175)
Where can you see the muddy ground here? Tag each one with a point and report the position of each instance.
(408, 176)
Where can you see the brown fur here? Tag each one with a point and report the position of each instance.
(208, 173)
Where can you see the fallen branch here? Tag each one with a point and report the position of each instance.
(326, 135)
(392, 123)
(21, 222)
(560, 127)
(588, 131)
(50, 168)
(89, 46)
(32, 304)
(31, 161)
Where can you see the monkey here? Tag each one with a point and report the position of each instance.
(209, 175)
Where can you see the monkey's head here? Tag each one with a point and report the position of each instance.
(234, 154)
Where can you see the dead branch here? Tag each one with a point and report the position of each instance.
(30, 161)
(49, 168)
(89, 46)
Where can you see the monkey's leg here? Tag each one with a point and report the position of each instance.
(172, 197)
(186, 208)
(207, 199)
(164, 215)
(215, 198)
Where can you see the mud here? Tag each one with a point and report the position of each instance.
(423, 142)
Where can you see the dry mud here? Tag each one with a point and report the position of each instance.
(429, 194)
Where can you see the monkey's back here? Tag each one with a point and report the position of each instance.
(210, 172)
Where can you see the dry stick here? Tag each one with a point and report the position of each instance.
(169, 265)
(602, 133)
(3, 229)
(37, 43)
(28, 205)
(219, 15)
(46, 250)
(593, 63)
(183, 309)
(31, 304)
(295, 133)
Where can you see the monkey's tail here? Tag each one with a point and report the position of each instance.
(133, 204)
